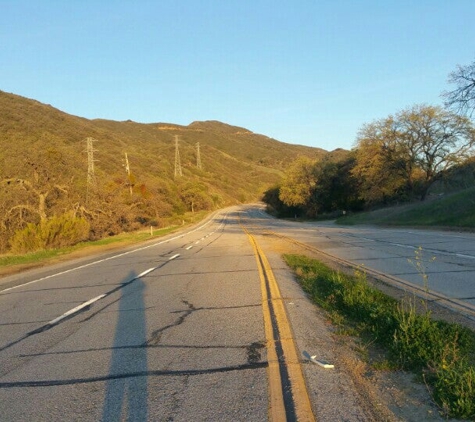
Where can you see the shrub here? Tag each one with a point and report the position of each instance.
(454, 389)
(442, 352)
(56, 232)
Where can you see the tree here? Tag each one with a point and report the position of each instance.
(337, 189)
(39, 191)
(462, 98)
(275, 206)
(436, 140)
(379, 172)
(195, 196)
(412, 150)
(298, 184)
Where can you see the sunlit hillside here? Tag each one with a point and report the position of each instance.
(43, 162)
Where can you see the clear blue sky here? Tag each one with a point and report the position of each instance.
(305, 71)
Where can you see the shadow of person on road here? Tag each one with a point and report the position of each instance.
(126, 391)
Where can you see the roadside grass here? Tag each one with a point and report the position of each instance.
(439, 353)
(50, 254)
(455, 210)
(122, 239)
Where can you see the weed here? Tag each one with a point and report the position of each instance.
(437, 350)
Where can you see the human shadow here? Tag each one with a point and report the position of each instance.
(126, 396)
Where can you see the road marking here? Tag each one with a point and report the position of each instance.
(189, 247)
(296, 403)
(400, 245)
(145, 272)
(459, 305)
(174, 256)
(75, 310)
(90, 302)
(461, 255)
(105, 259)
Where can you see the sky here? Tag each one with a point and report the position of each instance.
(309, 72)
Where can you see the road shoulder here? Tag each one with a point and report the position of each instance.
(352, 390)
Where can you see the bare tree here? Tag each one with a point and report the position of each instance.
(39, 191)
(462, 98)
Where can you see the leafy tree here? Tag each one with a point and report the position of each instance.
(462, 98)
(381, 165)
(407, 153)
(298, 184)
(312, 187)
(337, 189)
(275, 206)
(195, 196)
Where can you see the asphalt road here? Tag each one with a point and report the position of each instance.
(175, 333)
(173, 330)
(442, 262)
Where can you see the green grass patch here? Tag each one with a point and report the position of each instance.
(441, 353)
(456, 210)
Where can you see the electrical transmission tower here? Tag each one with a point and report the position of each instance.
(91, 177)
(198, 156)
(178, 171)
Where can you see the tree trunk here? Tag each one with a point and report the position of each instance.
(42, 205)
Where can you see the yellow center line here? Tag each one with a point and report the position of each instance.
(275, 316)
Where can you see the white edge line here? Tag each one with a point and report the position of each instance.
(461, 255)
(145, 272)
(89, 302)
(106, 259)
(76, 309)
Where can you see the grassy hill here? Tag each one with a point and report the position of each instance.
(43, 159)
(456, 210)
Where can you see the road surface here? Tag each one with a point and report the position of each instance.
(447, 259)
(203, 325)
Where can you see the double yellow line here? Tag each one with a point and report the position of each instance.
(288, 396)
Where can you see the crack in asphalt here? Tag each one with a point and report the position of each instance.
(157, 373)
(144, 346)
(157, 334)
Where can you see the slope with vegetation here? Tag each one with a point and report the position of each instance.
(416, 152)
(48, 202)
(453, 210)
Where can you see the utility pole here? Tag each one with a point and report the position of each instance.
(198, 156)
(91, 177)
(127, 169)
(178, 171)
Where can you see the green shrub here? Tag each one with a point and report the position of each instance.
(454, 389)
(56, 232)
(443, 352)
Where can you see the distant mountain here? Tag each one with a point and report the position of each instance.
(43, 149)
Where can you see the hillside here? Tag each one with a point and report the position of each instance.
(44, 168)
(453, 210)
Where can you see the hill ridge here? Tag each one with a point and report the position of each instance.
(46, 147)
